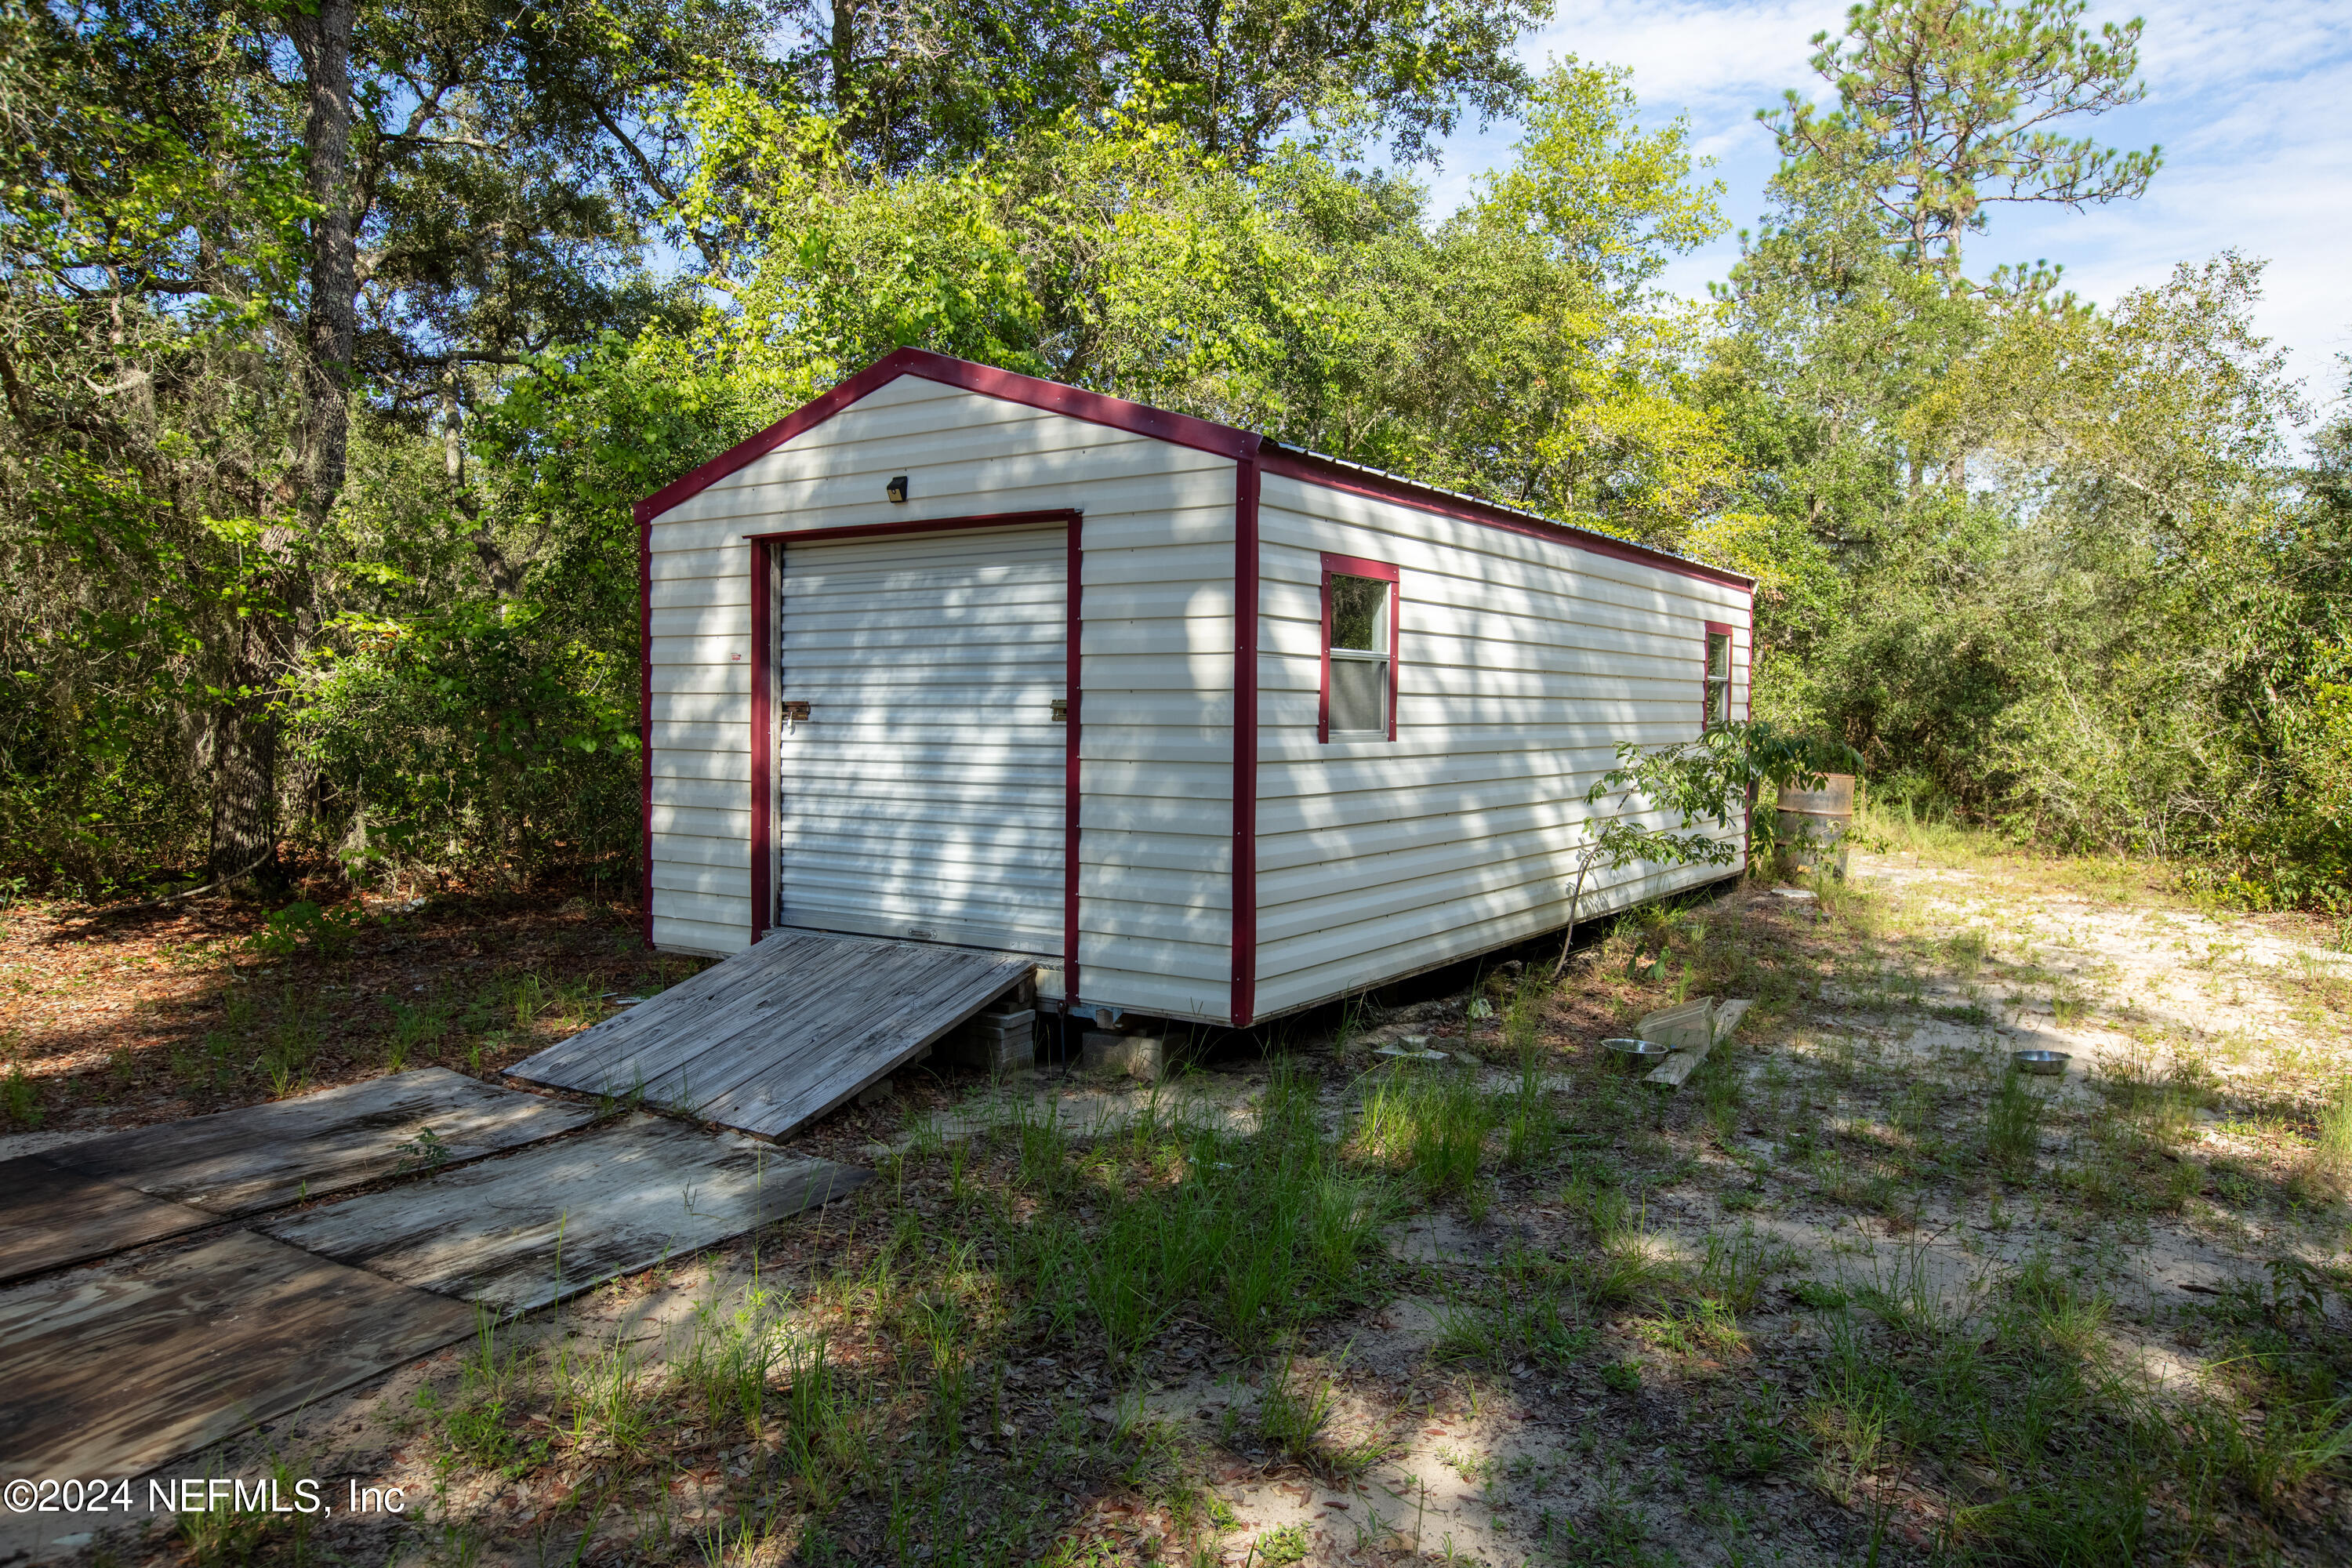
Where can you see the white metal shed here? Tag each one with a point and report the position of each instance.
(951, 653)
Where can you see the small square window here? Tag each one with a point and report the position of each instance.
(1719, 679)
(1359, 618)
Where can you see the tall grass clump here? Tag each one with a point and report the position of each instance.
(2331, 1151)
(1431, 1122)
(1252, 1232)
(2013, 1126)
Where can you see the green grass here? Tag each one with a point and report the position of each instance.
(1254, 1232)
(2012, 1134)
(1429, 1121)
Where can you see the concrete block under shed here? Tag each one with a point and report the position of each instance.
(1134, 1055)
(995, 1042)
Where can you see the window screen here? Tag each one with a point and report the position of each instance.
(1360, 655)
(1719, 679)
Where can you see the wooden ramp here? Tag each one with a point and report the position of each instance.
(775, 1036)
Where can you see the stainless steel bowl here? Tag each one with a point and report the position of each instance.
(2049, 1063)
(1637, 1053)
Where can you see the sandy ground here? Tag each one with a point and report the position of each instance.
(1530, 1466)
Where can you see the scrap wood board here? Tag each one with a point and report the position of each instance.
(262, 1157)
(100, 1195)
(772, 1038)
(51, 1218)
(111, 1371)
(1719, 1023)
(520, 1232)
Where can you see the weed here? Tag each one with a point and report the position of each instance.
(1737, 1267)
(1277, 1548)
(293, 1042)
(2013, 1126)
(415, 1028)
(1431, 1122)
(19, 1098)
(1757, 1437)
(1533, 1313)
(1291, 1417)
(304, 928)
(1254, 1232)
(1532, 1122)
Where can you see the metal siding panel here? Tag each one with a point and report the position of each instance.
(1132, 476)
(924, 795)
(1156, 600)
(1361, 963)
(1521, 663)
(674, 933)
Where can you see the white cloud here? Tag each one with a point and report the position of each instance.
(2250, 102)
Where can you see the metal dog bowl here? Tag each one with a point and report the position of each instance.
(1637, 1053)
(2049, 1063)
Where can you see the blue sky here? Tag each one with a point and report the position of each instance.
(2251, 102)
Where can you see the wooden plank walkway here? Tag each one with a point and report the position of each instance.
(111, 1371)
(98, 1197)
(519, 1233)
(51, 1218)
(782, 1032)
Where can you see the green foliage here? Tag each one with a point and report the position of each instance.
(20, 1100)
(2054, 569)
(1943, 109)
(304, 927)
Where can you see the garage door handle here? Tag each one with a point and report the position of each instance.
(796, 712)
(1061, 710)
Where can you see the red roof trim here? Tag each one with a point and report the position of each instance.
(1332, 475)
(1095, 408)
(1181, 429)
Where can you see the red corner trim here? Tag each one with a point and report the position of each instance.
(1072, 690)
(1748, 711)
(1713, 628)
(1380, 572)
(1245, 895)
(763, 738)
(1052, 397)
(1314, 470)
(646, 715)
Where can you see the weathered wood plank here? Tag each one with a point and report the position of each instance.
(111, 1371)
(802, 1020)
(51, 1218)
(672, 1069)
(519, 1233)
(885, 998)
(262, 1157)
(777, 1102)
(667, 1031)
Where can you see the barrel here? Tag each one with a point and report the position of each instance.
(1813, 822)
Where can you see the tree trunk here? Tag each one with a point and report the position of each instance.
(245, 759)
(844, 53)
(495, 564)
(331, 326)
(244, 790)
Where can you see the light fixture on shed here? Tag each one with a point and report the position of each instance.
(896, 488)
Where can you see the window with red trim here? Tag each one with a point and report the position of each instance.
(1359, 651)
(1718, 676)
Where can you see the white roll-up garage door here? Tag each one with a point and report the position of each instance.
(922, 797)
